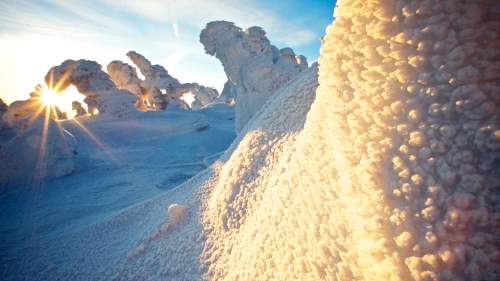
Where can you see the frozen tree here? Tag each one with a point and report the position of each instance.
(255, 68)
(91, 81)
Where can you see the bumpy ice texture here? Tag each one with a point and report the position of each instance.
(395, 174)
(255, 67)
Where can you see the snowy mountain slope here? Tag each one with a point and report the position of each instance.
(131, 245)
(135, 158)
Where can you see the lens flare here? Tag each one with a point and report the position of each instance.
(62, 100)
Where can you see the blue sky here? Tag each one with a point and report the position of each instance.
(35, 35)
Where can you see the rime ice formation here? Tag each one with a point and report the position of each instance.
(91, 81)
(155, 75)
(228, 94)
(159, 88)
(125, 77)
(393, 176)
(203, 96)
(254, 66)
(87, 76)
(78, 108)
(3, 109)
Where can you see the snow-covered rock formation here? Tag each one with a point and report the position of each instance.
(78, 108)
(393, 176)
(3, 109)
(91, 81)
(158, 89)
(155, 75)
(255, 68)
(148, 95)
(202, 96)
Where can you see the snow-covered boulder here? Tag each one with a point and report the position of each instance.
(41, 151)
(393, 176)
(254, 66)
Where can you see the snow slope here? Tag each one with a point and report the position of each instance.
(393, 175)
(126, 161)
(390, 176)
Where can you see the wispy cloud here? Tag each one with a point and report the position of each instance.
(196, 13)
(35, 35)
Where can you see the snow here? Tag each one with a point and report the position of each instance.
(255, 68)
(385, 171)
(51, 227)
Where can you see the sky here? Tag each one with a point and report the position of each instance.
(36, 35)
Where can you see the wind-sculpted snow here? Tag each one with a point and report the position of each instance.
(393, 176)
(255, 67)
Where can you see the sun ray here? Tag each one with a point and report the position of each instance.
(40, 163)
(98, 142)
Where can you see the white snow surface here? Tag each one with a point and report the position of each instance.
(393, 175)
(84, 226)
(390, 174)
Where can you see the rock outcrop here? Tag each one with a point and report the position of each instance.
(255, 68)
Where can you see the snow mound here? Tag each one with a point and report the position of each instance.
(393, 175)
(255, 68)
(42, 151)
(176, 212)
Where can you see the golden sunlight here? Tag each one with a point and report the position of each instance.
(63, 100)
(188, 97)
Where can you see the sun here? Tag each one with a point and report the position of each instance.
(50, 97)
(63, 100)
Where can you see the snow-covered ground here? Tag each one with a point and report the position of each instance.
(122, 162)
